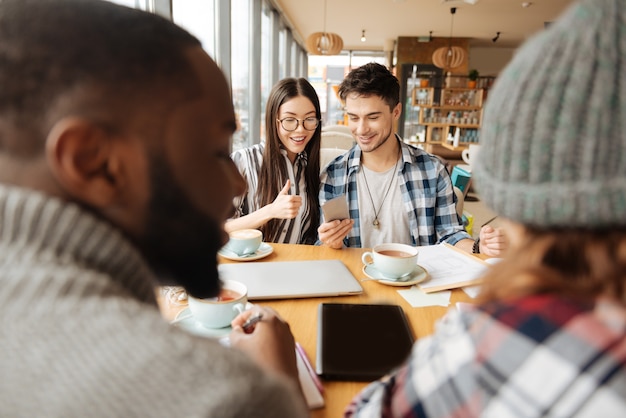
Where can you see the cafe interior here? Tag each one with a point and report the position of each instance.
(436, 48)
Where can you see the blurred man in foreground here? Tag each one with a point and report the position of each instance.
(115, 176)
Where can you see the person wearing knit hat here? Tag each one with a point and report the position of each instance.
(547, 336)
(553, 142)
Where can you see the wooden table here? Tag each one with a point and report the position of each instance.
(302, 313)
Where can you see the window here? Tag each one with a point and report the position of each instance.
(282, 52)
(252, 44)
(326, 73)
(240, 69)
(197, 16)
(129, 3)
(268, 63)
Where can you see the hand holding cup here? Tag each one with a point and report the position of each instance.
(218, 312)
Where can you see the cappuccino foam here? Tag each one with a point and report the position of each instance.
(245, 234)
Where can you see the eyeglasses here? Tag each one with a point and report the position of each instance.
(291, 124)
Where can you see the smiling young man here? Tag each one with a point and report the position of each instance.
(396, 192)
(115, 176)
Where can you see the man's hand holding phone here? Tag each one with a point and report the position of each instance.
(337, 222)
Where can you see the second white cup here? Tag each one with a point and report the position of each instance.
(470, 154)
(219, 311)
(392, 260)
(244, 241)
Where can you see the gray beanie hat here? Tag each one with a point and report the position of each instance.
(553, 139)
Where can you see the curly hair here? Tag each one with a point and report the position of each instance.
(371, 79)
(86, 58)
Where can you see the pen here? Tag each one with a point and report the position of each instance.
(309, 368)
(247, 326)
(489, 221)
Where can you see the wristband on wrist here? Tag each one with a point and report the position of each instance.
(476, 246)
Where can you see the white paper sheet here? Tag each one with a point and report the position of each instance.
(472, 291)
(448, 268)
(417, 298)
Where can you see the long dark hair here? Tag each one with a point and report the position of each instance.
(273, 170)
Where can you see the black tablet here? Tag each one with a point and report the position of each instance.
(361, 342)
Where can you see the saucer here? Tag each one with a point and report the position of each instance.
(419, 274)
(263, 251)
(194, 327)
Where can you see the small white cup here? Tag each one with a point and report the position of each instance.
(470, 153)
(219, 311)
(244, 241)
(392, 260)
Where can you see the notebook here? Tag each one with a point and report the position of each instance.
(292, 279)
(309, 382)
(449, 268)
(360, 342)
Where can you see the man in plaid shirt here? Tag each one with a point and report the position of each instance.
(395, 192)
(548, 335)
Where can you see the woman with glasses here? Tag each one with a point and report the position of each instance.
(282, 174)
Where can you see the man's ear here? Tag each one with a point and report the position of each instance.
(81, 156)
(396, 111)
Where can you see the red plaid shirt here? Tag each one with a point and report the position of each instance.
(540, 356)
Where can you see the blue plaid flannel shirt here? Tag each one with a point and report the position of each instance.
(427, 193)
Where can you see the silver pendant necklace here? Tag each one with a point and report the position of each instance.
(376, 223)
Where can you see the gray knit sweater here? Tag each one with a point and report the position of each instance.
(81, 334)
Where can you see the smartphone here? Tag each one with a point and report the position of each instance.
(336, 208)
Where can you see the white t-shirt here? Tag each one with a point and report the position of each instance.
(393, 222)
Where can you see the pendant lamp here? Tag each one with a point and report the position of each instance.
(324, 43)
(450, 57)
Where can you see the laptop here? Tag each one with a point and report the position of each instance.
(292, 279)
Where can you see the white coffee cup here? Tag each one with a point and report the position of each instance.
(219, 311)
(470, 153)
(392, 260)
(244, 241)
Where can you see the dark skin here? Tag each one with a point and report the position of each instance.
(110, 174)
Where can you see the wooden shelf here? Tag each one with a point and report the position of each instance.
(423, 96)
(460, 125)
(461, 147)
(447, 107)
(462, 97)
(441, 111)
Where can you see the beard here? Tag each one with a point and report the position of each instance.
(180, 243)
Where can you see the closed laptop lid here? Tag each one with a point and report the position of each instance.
(292, 279)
